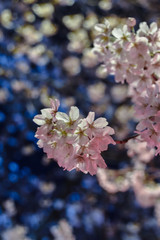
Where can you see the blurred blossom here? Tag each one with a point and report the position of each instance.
(116, 20)
(6, 18)
(71, 65)
(73, 22)
(96, 92)
(89, 59)
(105, 4)
(4, 94)
(48, 28)
(43, 9)
(23, 67)
(90, 21)
(63, 231)
(124, 113)
(29, 16)
(46, 187)
(65, 2)
(119, 93)
(10, 207)
(78, 40)
(102, 107)
(146, 193)
(101, 72)
(30, 34)
(36, 54)
(139, 151)
(29, 1)
(28, 150)
(18, 86)
(131, 233)
(16, 233)
(69, 101)
(112, 183)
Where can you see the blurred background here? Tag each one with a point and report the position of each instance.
(45, 51)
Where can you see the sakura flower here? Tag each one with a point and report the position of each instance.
(103, 28)
(144, 30)
(94, 126)
(44, 118)
(73, 142)
(70, 120)
(101, 142)
(121, 34)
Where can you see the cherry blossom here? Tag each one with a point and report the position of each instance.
(73, 142)
(133, 57)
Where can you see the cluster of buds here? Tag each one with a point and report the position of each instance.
(75, 143)
(134, 57)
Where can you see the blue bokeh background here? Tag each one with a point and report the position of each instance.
(35, 193)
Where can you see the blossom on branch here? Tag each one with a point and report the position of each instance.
(73, 142)
(134, 57)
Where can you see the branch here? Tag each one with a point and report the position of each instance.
(126, 139)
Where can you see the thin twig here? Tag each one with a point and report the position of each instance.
(126, 139)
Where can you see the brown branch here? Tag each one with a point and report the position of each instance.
(126, 139)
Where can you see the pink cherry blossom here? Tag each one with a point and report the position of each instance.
(73, 142)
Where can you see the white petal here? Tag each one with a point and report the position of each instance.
(74, 113)
(108, 130)
(39, 119)
(117, 32)
(100, 123)
(40, 143)
(125, 29)
(153, 27)
(100, 27)
(144, 27)
(62, 116)
(82, 124)
(46, 112)
(107, 23)
(90, 117)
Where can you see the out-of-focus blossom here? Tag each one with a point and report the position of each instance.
(72, 65)
(112, 184)
(63, 231)
(96, 92)
(16, 233)
(139, 151)
(73, 22)
(10, 207)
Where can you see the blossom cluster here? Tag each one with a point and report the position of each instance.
(147, 192)
(75, 143)
(134, 57)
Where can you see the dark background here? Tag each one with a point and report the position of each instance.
(38, 61)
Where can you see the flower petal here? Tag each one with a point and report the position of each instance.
(62, 116)
(46, 113)
(100, 123)
(39, 120)
(55, 104)
(90, 117)
(74, 113)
